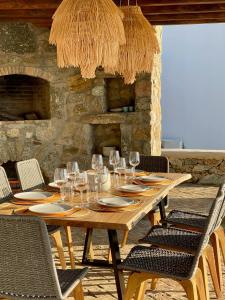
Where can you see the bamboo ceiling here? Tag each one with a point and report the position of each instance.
(158, 12)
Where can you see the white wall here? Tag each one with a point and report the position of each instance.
(193, 85)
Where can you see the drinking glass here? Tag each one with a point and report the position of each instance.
(60, 176)
(72, 170)
(134, 160)
(67, 193)
(81, 184)
(121, 167)
(97, 162)
(103, 175)
(114, 158)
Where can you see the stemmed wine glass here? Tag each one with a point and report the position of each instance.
(60, 176)
(72, 170)
(81, 184)
(114, 158)
(97, 162)
(134, 160)
(121, 167)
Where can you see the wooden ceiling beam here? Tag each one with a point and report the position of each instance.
(180, 17)
(168, 2)
(29, 4)
(32, 13)
(177, 9)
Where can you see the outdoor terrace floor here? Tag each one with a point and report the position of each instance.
(99, 283)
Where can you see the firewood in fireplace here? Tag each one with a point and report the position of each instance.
(9, 117)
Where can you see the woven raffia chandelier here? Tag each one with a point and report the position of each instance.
(88, 34)
(137, 54)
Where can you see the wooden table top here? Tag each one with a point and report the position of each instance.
(123, 219)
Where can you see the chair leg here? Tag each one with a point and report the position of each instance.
(190, 289)
(221, 235)
(125, 237)
(153, 283)
(209, 254)
(203, 267)
(131, 287)
(78, 292)
(140, 292)
(70, 245)
(154, 218)
(217, 254)
(56, 236)
(200, 285)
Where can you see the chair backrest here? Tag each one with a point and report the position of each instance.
(30, 175)
(26, 265)
(212, 222)
(154, 164)
(5, 189)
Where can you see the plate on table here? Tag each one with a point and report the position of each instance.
(151, 178)
(116, 201)
(51, 209)
(33, 195)
(133, 188)
(54, 185)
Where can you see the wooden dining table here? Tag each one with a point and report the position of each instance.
(112, 221)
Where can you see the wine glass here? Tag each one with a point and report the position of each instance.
(60, 176)
(97, 162)
(121, 167)
(72, 170)
(134, 160)
(81, 184)
(114, 158)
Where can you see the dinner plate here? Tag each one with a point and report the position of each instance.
(51, 209)
(151, 178)
(54, 185)
(133, 188)
(33, 195)
(115, 201)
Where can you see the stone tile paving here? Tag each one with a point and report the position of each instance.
(100, 284)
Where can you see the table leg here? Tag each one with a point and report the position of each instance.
(162, 212)
(87, 245)
(116, 260)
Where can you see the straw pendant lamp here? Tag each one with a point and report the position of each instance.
(87, 34)
(137, 54)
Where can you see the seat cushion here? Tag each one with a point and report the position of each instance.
(165, 263)
(187, 218)
(52, 228)
(173, 237)
(68, 279)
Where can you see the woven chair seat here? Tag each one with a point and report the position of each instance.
(187, 218)
(68, 279)
(166, 263)
(173, 237)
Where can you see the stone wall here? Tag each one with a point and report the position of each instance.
(76, 105)
(206, 166)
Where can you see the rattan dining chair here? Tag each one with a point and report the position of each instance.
(187, 240)
(27, 270)
(154, 262)
(30, 177)
(151, 164)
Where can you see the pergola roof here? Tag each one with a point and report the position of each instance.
(158, 12)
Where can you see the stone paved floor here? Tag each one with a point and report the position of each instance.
(100, 284)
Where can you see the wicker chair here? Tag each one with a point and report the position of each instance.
(5, 189)
(27, 268)
(30, 177)
(154, 262)
(188, 241)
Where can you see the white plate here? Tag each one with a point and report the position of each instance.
(54, 185)
(33, 195)
(133, 188)
(50, 208)
(151, 178)
(115, 201)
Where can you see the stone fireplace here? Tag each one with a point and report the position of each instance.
(56, 116)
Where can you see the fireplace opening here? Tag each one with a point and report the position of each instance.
(10, 169)
(24, 97)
